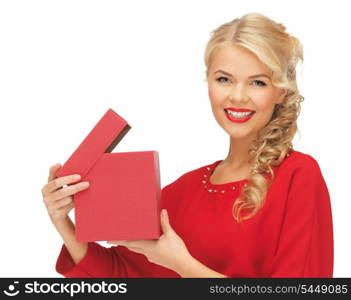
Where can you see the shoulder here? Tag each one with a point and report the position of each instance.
(298, 173)
(299, 162)
(302, 181)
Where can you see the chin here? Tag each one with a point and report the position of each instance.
(239, 134)
(236, 132)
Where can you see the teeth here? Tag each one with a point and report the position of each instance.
(238, 114)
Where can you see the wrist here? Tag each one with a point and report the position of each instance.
(60, 222)
(192, 268)
(183, 268)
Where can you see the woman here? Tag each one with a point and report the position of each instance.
(263, 211)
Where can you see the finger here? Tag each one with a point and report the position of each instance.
(52, 171)
(59, 182)
(61, 203)
(63, 211)
(51, 176)
(137, 250)
(68, 191)
(165, 221)
(141, 244)
(115, 242)
(123, 243)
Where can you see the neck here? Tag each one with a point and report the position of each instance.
(238, 155)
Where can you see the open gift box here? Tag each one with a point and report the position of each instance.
(122, 201)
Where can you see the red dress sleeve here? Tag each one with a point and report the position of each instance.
(116, 261)
(305, 247)
(99, 261)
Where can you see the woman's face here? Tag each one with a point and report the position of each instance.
(236, 81)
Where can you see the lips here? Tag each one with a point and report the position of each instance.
(241, 117)
(239, 109)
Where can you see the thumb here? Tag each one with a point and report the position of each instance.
(165, 221)
(53, 170)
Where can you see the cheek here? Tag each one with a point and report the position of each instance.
(264, 102)
(211, 93)
(265, 109)
(216, 96)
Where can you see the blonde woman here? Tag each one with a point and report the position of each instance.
(263, 211)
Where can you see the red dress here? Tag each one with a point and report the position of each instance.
(291, 236)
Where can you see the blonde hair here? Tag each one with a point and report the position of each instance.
(280, 52)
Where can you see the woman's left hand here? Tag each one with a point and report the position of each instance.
(168, 251)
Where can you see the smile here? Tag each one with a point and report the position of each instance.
(239, 117)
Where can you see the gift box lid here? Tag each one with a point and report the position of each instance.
(103, 138)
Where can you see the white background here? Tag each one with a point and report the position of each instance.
(64, 63)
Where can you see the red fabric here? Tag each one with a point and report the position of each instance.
(291, 236)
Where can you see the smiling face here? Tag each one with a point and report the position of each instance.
(233, 83)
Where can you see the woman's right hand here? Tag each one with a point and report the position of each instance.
(58, 199)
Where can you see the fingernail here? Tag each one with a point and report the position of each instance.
(77, 176)
(85, 183)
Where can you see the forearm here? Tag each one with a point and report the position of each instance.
(76, 249)
(193, 268)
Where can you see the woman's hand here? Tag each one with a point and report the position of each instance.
(168, 251)
(57, 198)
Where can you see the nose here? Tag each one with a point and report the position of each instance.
(238, 94)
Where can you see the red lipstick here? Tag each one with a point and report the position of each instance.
(238, 109)
(239, 115)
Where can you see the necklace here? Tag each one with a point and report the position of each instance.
(222, 188)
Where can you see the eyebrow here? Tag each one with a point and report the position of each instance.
(252, 76)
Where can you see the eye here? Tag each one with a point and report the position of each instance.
(261, 83)
(219, 79)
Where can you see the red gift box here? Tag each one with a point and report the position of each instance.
(122, 201)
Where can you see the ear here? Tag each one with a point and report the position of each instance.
(281, 96)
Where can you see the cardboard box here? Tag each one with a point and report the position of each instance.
(123, 199)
